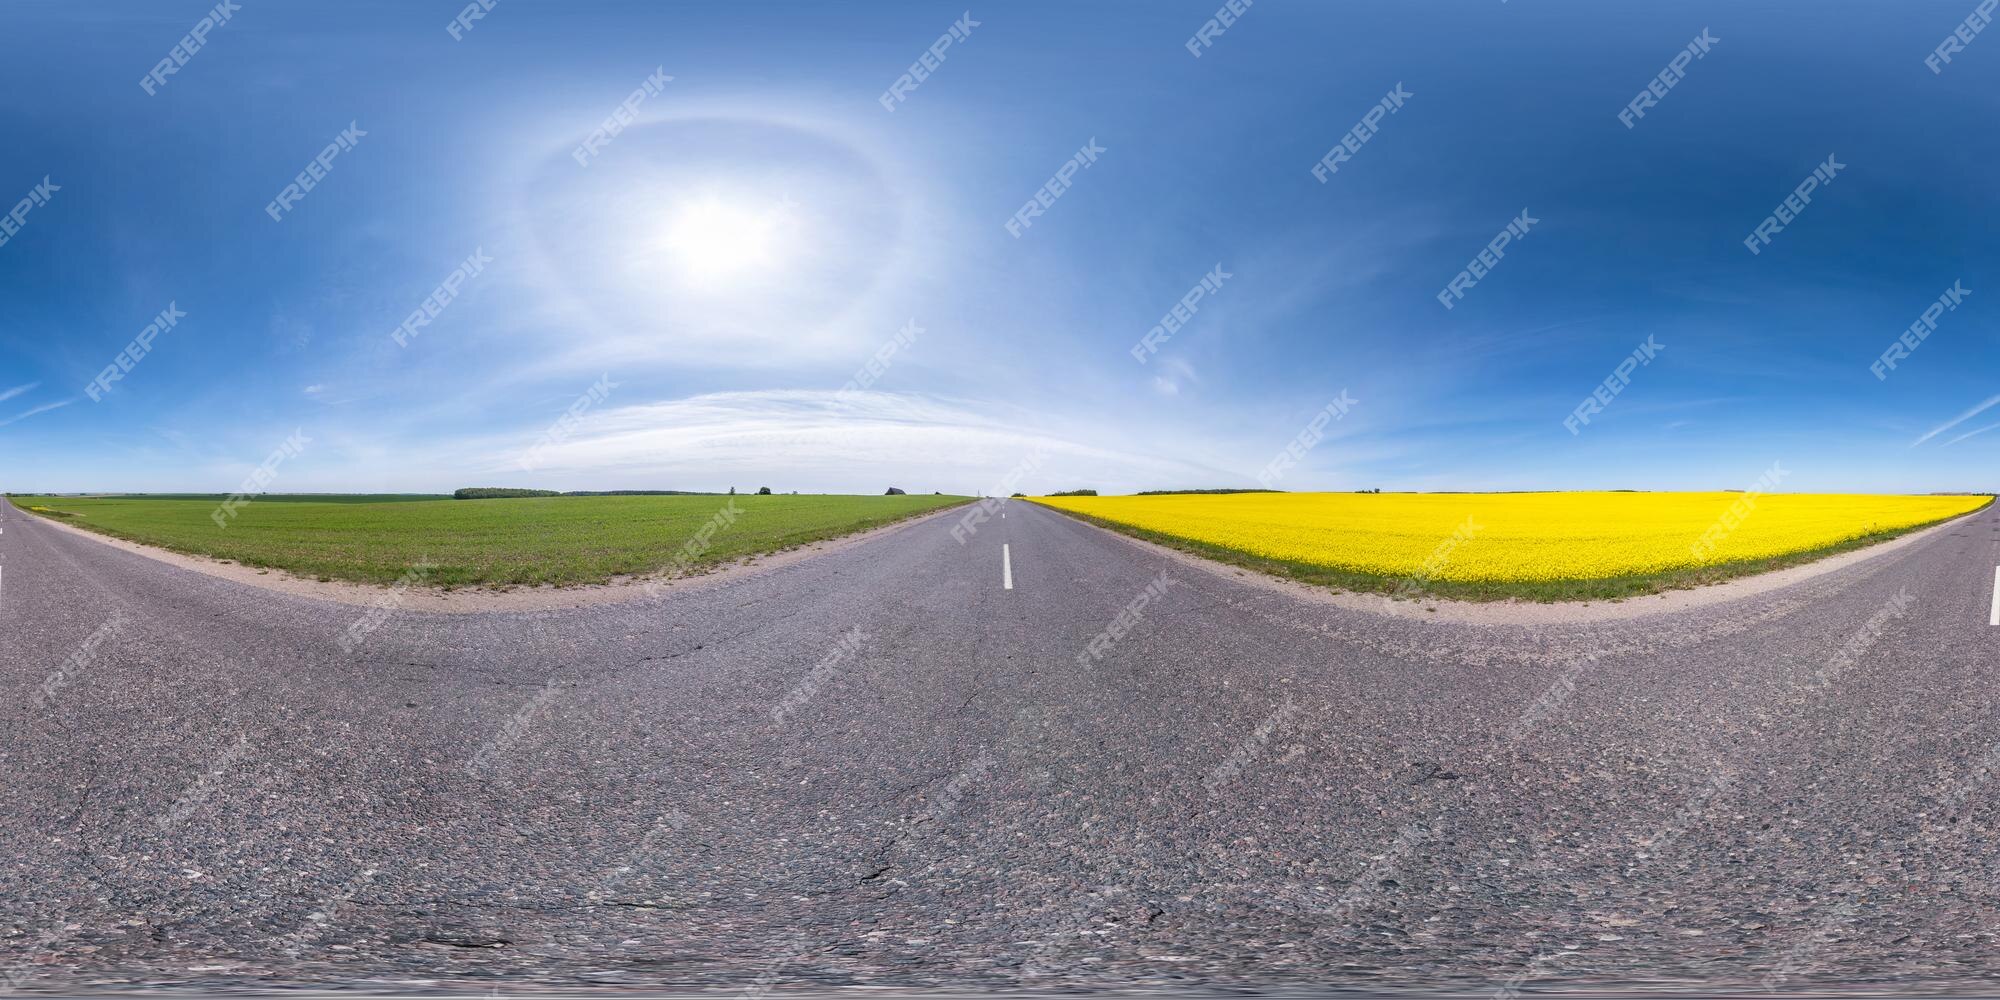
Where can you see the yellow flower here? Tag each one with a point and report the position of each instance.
(1519, 537)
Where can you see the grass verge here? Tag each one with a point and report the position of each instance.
(560, 541)
(1545, 592)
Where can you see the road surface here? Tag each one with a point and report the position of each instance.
(888, 765)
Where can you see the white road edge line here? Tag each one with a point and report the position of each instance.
(1994, 618)
(1007, 573)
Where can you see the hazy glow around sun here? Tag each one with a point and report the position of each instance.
(715, 242)
(720, 240)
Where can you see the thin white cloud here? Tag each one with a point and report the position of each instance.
(8, 394)
(1955, 421)
(1968, 434)
(44, 408)
(1174, 373)
(827, 441)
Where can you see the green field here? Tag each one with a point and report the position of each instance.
(542, 540)
(270, 497)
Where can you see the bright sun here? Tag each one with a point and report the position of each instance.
(716, 242)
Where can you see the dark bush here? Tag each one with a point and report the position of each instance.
(498, 493)
(636, 493)
(1164, 493)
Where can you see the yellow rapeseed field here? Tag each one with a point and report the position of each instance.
(1519, 537)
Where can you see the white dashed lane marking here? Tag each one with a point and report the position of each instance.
(1007, 571)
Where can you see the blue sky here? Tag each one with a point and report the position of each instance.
(733, 257)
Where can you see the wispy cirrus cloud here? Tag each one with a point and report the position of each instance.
(1968, 434)
(7, 394)
(44, 408)
(1955, 421)
(835, 441)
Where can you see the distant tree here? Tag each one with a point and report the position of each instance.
(1074, 493)
(498, 492)
(1163, 493)
(636, 493)
(1020, 495)
(763, 491)
(732, 491)
(893, 492)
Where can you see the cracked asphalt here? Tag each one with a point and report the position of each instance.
(879, 767)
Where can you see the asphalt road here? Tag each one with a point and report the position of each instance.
(885, 766)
